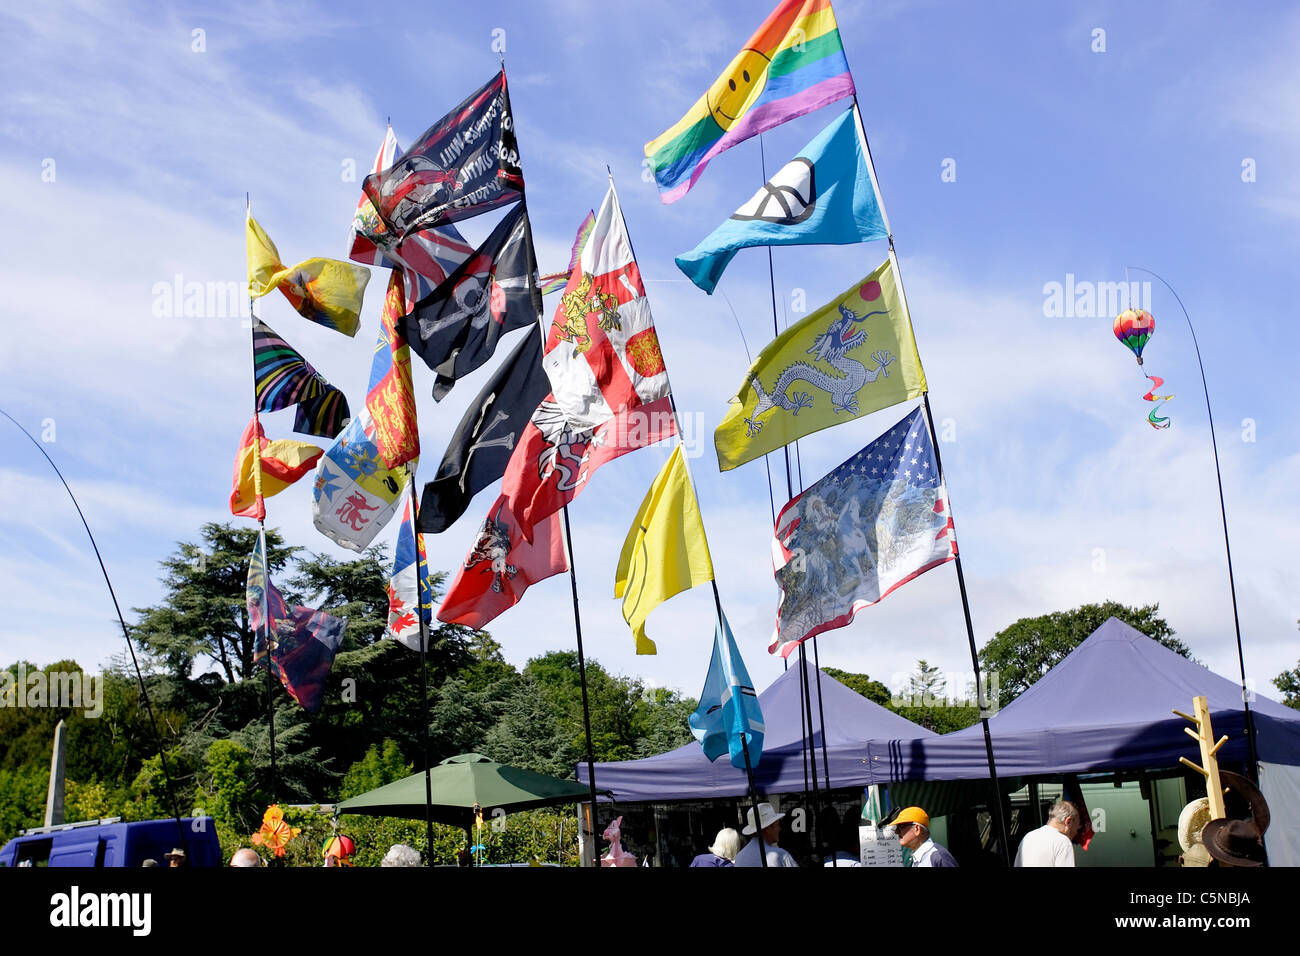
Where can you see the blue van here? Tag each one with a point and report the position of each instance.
(97, 843)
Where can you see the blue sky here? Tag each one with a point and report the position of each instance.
(1069, 160)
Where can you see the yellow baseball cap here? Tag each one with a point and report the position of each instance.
(913, 815)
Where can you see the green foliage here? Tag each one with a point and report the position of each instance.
(872, 690)
(1029, 648)
(529, 733)
(230, 797)
(22, 800)
(928, 702)
(1288, 682)
(204, 614)
(382, 764)
(215, 728)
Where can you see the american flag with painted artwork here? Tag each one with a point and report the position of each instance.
(871, 525)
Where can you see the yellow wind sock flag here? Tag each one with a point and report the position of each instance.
(665, 552)
(326, 291)
(853, 356)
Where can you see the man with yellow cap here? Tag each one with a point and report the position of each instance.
(913, 828)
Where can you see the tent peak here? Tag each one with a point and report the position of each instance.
(465, 758)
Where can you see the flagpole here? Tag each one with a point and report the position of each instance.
(809, 749)
(934, 441)
(1223, 512)
(130, 645)
(260, 503)
(582, 680)
(713, 582)
(424, 644)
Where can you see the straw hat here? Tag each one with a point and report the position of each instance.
(1192, 821)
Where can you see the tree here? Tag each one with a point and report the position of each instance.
(529, 735)
(928, 701)
(1288, 682)
(1022, 653)
(872, 690)
(204, 613)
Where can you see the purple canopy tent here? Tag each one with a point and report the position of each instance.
(1107, 706)
(686, 774)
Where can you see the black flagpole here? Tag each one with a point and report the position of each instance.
(984, 705)
(1227, 547)
(934, 441)
(806, 732)
(424, 679)
(582, 679)
(130, 646)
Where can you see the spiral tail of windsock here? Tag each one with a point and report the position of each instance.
(1155, 419)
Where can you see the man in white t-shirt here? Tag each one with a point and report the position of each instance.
(1053, 843)
(769, 821)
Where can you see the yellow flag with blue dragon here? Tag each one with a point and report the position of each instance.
(853, 356)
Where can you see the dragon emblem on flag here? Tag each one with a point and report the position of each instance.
(493, 547)
(832, 347)
(579, 303)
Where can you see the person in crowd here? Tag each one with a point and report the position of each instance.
(844, 834)
(723, 852)
(176, 858)
(769, 822)
(1052, 844)
(400, 855)
(913, 828)
(245, 856)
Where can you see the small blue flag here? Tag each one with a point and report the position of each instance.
(728, 705)
(823, 196)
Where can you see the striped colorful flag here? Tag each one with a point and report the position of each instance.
(325, 291)
(282, 377)
(792, 65)
(556, 281)
(425, 258)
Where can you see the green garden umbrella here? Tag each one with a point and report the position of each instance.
(461, 782)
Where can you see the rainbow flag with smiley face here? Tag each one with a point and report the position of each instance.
(792, 65)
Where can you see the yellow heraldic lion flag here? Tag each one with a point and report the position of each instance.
(326, 291)
(665, 552)
(853, 356)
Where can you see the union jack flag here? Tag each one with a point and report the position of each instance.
(425, 258)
